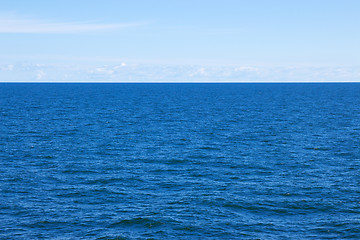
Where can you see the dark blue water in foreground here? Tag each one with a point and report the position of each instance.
(180, 161)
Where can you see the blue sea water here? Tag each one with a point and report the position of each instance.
(180, 161)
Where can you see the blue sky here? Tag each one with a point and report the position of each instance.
(229, 40)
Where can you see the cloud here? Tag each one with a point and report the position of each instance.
(102, 70)
(8, 67)
(135, 72)
(199, 72)
(15, 24)
(40, 75)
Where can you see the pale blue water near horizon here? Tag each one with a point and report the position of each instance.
(180, 161)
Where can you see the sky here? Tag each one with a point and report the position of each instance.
(180, 41)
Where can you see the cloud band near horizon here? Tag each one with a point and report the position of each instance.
(124, 72)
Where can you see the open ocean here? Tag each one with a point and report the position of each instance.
(180, 161)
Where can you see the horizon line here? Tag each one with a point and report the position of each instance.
(155, 82)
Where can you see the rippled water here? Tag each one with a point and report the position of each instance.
(179, 161)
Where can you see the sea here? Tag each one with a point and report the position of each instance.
(180, 161)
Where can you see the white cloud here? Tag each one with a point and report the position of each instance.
(199, 72)
(102, 70)
(245, 69)
(15, 24)
(122, 65)
(130, 72)
(40, 75)
(8, 67)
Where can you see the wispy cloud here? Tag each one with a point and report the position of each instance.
(16, 24)
(132, 72)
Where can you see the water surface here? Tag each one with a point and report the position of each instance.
(179, 161)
